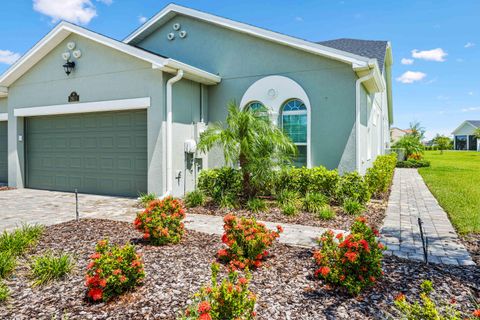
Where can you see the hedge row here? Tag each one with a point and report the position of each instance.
(379, 177)
(412, 163)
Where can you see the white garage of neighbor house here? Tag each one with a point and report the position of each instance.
(464, 136)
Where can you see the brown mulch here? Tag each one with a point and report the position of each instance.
(472, 243)
(285, 287)
(4, 188)
(375, 213)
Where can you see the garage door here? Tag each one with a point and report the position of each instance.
(99, 153)
(3, 152)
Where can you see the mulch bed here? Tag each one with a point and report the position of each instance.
(375, 213)
(285, 287)
(4, 188)
(472, 243)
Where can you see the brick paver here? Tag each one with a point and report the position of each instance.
(409, 200)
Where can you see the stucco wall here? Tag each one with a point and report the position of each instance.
(241, 60)
(3, 105)
(101, 74)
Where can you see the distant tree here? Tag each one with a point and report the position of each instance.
(476, 133)
(417, 130)
(442, 143)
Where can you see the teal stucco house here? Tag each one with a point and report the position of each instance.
(82, 110)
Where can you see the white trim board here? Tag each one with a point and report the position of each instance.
(172, 9)
(3, 116)
(64, 29)
(84, 107)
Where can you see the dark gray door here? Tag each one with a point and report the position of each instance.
(3, 152)
(99, 153)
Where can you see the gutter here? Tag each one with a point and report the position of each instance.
(168, 149)
(358, 82)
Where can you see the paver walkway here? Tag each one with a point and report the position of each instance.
(409, 200)
(50, 207)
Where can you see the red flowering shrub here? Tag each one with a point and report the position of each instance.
(353, 261)
(247, 241)
(230, 299)
(112, 271)
(161, 222)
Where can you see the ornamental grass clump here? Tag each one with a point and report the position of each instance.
(112, 271)
(247, 242)
(229, 299)
(48, 267)
(161, 222)
(4, 291)
(351, 262)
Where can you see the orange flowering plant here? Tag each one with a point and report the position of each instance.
(229, 299)
(247, 242)
(112, 271)
(161, 222)
(353, 261)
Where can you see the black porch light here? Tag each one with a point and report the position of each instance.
(69, 66)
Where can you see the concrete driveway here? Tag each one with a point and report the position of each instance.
(51, 207)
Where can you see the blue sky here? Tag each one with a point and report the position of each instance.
(439, 41)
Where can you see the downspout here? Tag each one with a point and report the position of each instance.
(169, 133)
(357, 118)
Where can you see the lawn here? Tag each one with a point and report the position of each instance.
(454, 179)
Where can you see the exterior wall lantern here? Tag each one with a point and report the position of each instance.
(68, 67)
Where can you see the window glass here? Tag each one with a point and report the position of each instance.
(259, 108)
(294, 124)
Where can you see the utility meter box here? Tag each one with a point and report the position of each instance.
(190, 146)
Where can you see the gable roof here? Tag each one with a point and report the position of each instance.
(473, 123)
(373, 49)
(64, 29)
(357, 61)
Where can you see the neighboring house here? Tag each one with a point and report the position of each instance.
(128, 116)
(464, 138)
(396, 134)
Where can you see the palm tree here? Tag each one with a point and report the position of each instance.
(253, 143)
(417, 130)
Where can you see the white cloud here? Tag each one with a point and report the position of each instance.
(469, 45)
(470, 93)
(430, 55)
(407, 61)
(471, 109)
(8, 57)
(142, 19)
(299, 19)
(76, 11)
(411, 77)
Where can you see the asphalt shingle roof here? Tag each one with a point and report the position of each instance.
(476, 123)
(372, 49)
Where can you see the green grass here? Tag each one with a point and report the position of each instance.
(4, 292)
(7, 263)
(454, 179)
(48, 267)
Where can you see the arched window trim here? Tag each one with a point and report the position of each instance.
(284, 89)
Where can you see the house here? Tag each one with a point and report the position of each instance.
(88, 112)
(464, 136)
(397, 133)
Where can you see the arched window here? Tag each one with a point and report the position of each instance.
(259, 108)
(295, 124)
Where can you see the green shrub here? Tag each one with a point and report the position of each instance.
(305, 180)
(19, 240)
(352, 207)
(161, 222)
(228, 201)
(194, 199)
(352, 262)
(113, 270)
(314, 202)
(256, 205)
(411, 144)
(287, 196)
(219, 302)
(326, 213)
(48, 267)
(427, 309)
(354, 187)
(379, 177)
(411, 163)
(4, 292)
(220, 183)
(7, 263)
(146, 198)
(289, 209)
